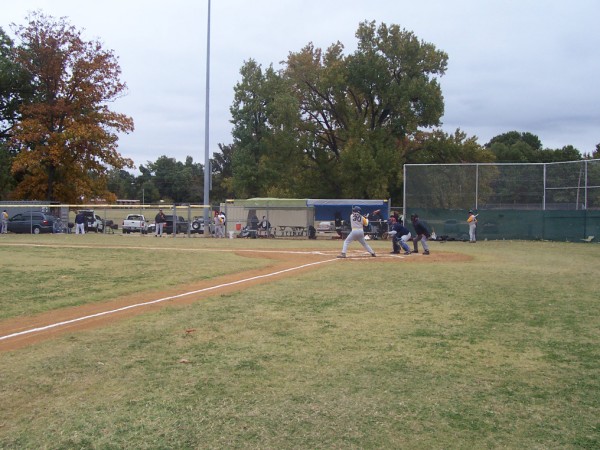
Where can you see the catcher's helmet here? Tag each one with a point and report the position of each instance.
(356, 209)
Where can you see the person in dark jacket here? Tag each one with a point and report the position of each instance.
(80, 223)
(159, 220)
(400, 235)
(421, 234)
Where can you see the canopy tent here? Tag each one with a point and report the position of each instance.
(330, 209)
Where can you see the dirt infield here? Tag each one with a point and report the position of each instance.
(22, 331)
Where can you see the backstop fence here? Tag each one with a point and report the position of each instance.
(550, 201)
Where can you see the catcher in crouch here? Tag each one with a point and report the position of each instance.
(400, 235)
(357, 221)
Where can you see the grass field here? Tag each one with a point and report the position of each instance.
(497, 350)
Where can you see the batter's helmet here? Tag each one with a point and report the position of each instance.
(356, 209)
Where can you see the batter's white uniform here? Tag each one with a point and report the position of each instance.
(357, 221)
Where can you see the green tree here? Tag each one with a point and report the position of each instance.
(567, 153)
(222, 174)
(176, 181)
(7, 181)
(439, 147)
(15, 88)
(255, 118)
(334, 125)
(121, 183)
(66, 138)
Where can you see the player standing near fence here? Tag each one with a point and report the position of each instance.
(357, 222)
(4, 228)
(472, 221)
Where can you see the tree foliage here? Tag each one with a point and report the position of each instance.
(222, 174)
(516, 147)
(332, 125)
(15, 87)
(173, 180)
(65, 139)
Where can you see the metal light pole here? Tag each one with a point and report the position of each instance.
(206, 125)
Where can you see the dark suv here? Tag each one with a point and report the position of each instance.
(34, 222)
(182, 225)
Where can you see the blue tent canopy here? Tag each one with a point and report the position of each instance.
(329, 209)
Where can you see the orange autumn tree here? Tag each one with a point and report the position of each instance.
(66, 140)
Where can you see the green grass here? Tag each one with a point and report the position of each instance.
(502, 351)
(53, 272)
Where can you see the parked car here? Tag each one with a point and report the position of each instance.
(135, 223)
(198, 225)
(34, 222)
(182, 225)
(93, 222)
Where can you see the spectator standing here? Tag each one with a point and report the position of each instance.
(219, 225)
(472, 221)
(80, 223)
(422, 233)
(400, 235)
(357, 222)
(265, 226)
(159, 220)
(4, 227)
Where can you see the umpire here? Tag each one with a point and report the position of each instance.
(422, 234)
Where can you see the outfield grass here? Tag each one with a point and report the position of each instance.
(70, 270)
(501, 351)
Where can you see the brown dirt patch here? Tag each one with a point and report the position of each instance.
(281, 262)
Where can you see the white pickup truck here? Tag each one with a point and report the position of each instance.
(135, 223)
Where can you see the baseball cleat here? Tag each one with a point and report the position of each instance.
(341, 255)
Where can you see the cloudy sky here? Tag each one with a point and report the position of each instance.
(525, 65)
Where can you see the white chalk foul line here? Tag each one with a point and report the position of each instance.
(164, 299)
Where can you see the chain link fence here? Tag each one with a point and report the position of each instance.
(248, 218)
(551, 201)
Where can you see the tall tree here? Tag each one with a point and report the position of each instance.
(15, 87)
(525, 147)
(67, 138)
(222, 174)
(339, 122)
(176, 181)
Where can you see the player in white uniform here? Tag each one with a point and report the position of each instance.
(357, 221)
(472, 221)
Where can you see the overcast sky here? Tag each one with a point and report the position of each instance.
(525, 65)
